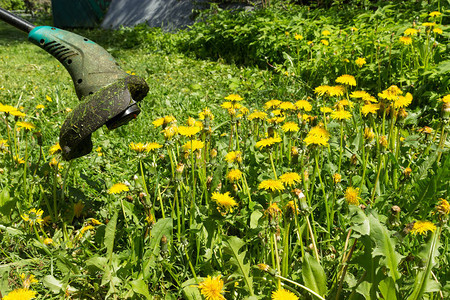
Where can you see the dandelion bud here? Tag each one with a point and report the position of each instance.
(443, 209)
(271, 131)
(291, 209)
(446, 110)
(305, 175)
(38, 136)
(369, 135)
(2, 171)
(267, 268)
(402, 113)
(163, 246)
(294, 151)
(180, 168)
(213, 153)
(394, 218)
(383, 141)
(208, 182)
(354, 160)
(235, 187)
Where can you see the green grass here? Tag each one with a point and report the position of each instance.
(174, 222)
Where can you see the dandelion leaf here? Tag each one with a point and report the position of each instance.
(384, 247)
(161, 228)
(140, 287)
(190, 289)
(314, 275)
(387, 289)
(423, 282)
(232, 247)
(360, 222)
(110, 233)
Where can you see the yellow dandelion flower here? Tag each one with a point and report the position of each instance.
(212, 288)
(188, 131)
(18, 159)
(118, 188)
(337, 178)
(369, 109)
(406, 40)
(259, 115)
(234, 175)
(360, 61)
(95, 221)
(84, 229)
(353, 29)
(337, 90)
(234, 156)
(286, 105)
(290, 127)
(346, 79)
(435, 14)
(322, 90)
(224, 201)
(274, 103)
(206, 114)
(138, 147)
(28, 280)
(170, 131)
(78, 208)
(18, 113)
(158, 122)
(289, 179)
(403, 101)
(443, 207)
(34, 216)
(438, 30)
(369, 134)
(26, 125)
(303, 104)
(55, 149)
(446, 99)
(291, 209)
(3, 145)
(193, 145)
(422, 227)
(48, 98)
(352, 196)
(298, 37)
(282, 294)
(271, 184)
(390, 93)
(273, 211)
(429, 24)
(7, 108)
(317, 136)
(326, 32)
(234, 98)
(20, 294)
(40, 106)
(411, 31)
(163, 121)
(267, 142)
(360, 95)
(325, 42)
(48, 241)
(152, 146)
(326, 109)
(341, 115)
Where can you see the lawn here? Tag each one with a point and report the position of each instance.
(298, 154)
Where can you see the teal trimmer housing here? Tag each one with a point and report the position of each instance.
(108, 94)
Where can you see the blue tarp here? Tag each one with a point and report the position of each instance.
(79, 13)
